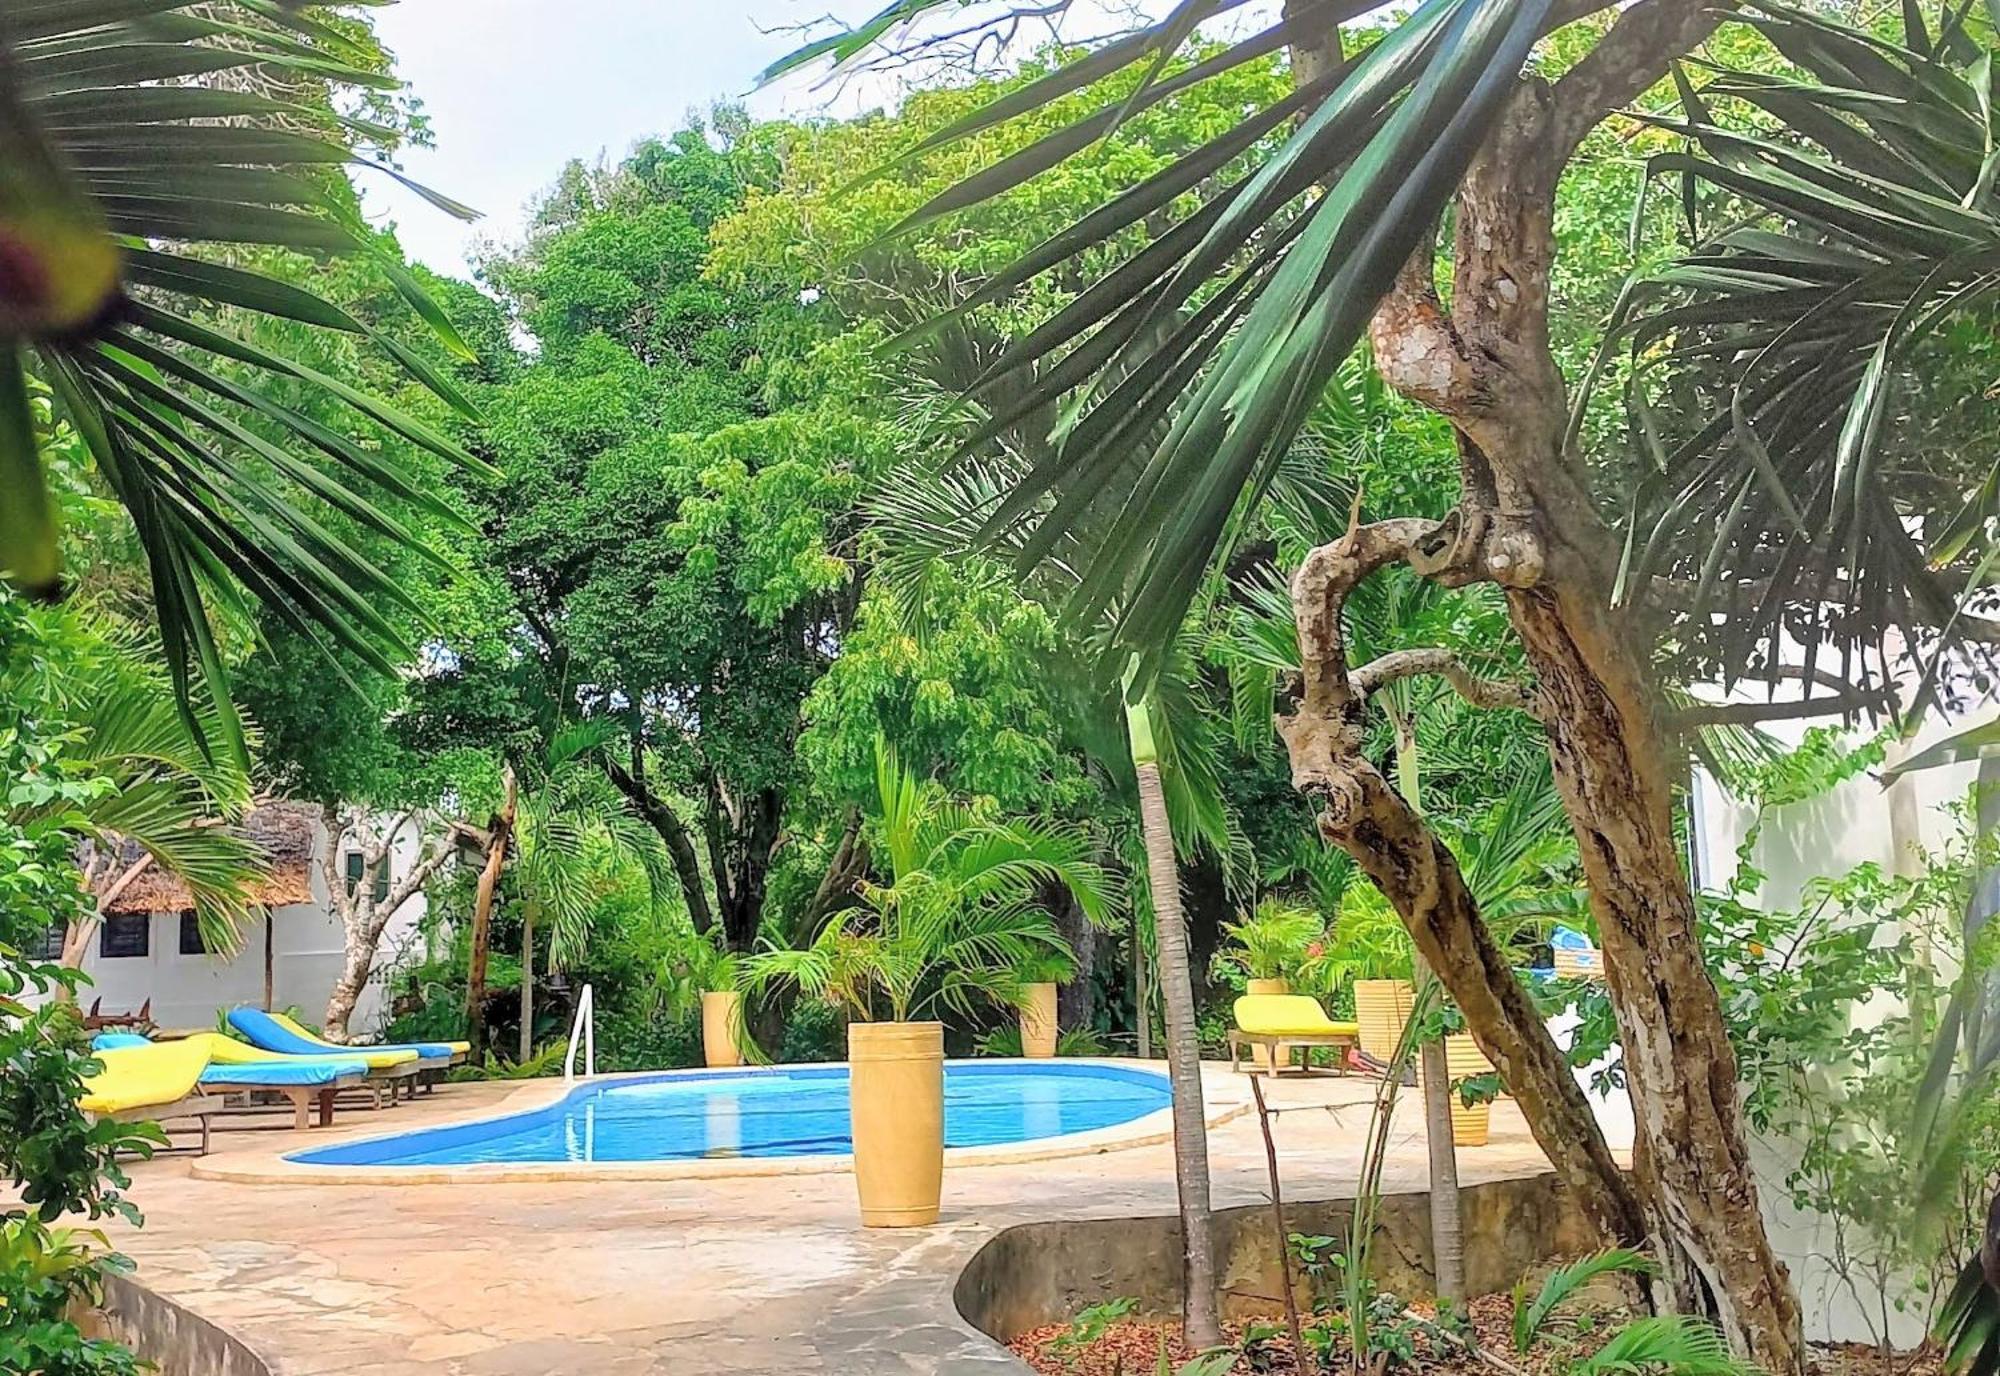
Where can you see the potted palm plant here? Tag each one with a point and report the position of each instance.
(722, 1036)
(954, 921)
(1039, 975)
(1369, 949)
(1267, 948)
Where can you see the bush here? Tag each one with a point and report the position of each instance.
(812, 1033)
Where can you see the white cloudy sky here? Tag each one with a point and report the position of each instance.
(514, 88)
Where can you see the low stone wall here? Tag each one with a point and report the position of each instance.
(1043, 1273)
(176, 1342)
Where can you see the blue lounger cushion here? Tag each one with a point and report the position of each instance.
(303, 1075)
(261, 1029)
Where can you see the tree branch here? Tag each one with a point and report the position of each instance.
(662, 819)
(1623, 64)
(1750, 713)
(1480, 692)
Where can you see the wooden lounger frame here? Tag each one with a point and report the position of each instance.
(198, 1106)
(1281, 1045)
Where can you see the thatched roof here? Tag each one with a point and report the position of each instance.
(284, 832)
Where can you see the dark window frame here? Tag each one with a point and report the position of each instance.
(354, 864)
(191, 933)
(120, 946)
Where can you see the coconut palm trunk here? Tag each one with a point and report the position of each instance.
(1199, 1322)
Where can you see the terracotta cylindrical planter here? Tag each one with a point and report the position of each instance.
(1038, 1022)
(1267, 1057)
(722, 1028)
(896, 1096)
(1381, 1007)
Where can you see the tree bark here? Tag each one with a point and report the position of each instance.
(1680, 1067)
(1417, 873)
(499, 835)
(661, 817)
(1447, 1225)
(362, 919)
(527, 1044)
(1076, 1001)
(1200, 1323)
(1527, 521)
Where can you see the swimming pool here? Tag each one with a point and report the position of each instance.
(705, 1115)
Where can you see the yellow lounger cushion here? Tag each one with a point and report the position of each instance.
(335, 1049)
(1288, 1015)
(136, 1077)
(228, 1051)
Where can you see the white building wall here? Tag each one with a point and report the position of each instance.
(1799, 842)
(189, 992)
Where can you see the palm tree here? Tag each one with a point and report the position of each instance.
(1157, 746)
(1260, 261)
(159, 802)
(956, 915)
(142, 147)
(573, 833)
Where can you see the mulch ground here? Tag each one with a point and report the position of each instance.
(1132, 1348)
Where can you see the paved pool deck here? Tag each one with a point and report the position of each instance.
(696, 1276)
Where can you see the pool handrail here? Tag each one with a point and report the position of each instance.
(584, 1024)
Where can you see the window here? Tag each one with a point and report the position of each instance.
(52, 941)
(355, 862)
(191, 942)
(125, 934)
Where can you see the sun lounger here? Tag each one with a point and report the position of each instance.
(276, 1032)
(1280, 1022)
(150, 1084)
(303, 1081)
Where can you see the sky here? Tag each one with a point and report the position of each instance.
(515, 88)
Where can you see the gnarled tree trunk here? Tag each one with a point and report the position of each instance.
(1527, 522)
(498, 837)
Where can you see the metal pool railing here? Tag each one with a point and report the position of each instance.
(583, 1025)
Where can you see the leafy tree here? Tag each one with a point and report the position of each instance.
(677, 519)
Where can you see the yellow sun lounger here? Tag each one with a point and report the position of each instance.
(1280, 1022)
(157, 1084)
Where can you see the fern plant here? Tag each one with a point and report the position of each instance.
(1675, 1343)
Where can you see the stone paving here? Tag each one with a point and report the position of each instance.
(707, 1277)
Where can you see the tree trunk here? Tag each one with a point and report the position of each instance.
(1076, 1001)
(1447, 1225)
(357, 959)
(527, 984)
(1527, 521)
(1199, 1321)
(498, 838)
(1680, 1067)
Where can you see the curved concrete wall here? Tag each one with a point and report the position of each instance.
(1043, 1273)
(175, 1341)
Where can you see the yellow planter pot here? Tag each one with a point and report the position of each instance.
(1381, 1007)
(1463, 1061)
(1469, 1125)
(722, 1028)
(1038, 1022)
(896, 1089)
(1267, 1057)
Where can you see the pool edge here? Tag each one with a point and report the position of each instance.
(273, 1167)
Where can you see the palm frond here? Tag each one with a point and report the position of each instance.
(128, 136)
(1861, 226)
(1204, 357)
(1673, 1343)
(1565, 1281)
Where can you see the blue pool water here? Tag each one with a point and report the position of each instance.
(693, 1115)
